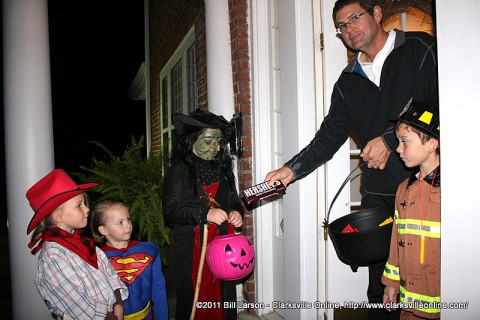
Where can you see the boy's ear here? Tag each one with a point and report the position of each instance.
(433, 144)
(103, 230)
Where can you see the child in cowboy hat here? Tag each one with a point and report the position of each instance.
(412, 272)
(199, 189)
(74, 277)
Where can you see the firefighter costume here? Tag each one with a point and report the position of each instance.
(414, 262)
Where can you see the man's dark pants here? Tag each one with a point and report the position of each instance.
(375, 271)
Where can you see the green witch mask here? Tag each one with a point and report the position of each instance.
(207, 144)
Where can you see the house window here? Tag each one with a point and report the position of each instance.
(178, 88)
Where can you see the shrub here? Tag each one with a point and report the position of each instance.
(136, 180)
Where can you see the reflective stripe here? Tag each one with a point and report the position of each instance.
(391, 272)
(414, 226)
(415, 300)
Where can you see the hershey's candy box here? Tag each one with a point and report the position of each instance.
(263, 190)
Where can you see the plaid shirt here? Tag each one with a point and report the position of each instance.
(71, 286)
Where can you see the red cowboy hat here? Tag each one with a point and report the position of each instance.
(50, 192)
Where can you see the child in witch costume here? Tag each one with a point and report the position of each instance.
(138, 264)
(74, 277)
(199, 189)
(412, 272)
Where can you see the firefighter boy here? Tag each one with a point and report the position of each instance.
(412, 272)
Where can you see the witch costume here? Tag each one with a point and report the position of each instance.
(192, 187)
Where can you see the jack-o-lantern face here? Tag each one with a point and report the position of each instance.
(231, 257)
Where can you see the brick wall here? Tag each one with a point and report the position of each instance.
(170, 21)
(239, 34)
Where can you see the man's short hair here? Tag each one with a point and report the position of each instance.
(367, 5)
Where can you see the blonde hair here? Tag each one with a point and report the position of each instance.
(49, 222)
(98, 218)
(46, 223)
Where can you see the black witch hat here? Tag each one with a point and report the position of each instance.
(200, 119)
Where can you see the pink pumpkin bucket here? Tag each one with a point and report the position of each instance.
(231, 257)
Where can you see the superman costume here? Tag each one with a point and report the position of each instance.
(139, 266)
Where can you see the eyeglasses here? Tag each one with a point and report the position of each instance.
(342, 26)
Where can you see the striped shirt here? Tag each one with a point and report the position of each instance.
(71, 286)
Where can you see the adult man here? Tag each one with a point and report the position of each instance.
(388, 69)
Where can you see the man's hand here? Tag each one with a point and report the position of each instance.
(375, 154)
(283, 174)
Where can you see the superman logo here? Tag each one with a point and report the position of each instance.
(130, 267)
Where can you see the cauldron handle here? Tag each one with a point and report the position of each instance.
(326, 221)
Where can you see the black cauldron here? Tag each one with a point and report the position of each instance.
(371, 244)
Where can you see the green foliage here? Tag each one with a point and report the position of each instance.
(137, 181)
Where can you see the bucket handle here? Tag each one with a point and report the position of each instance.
(326, 221)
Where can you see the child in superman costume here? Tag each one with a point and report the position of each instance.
(138, 264)
(199, 189)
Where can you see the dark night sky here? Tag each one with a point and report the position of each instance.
(96, 48)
